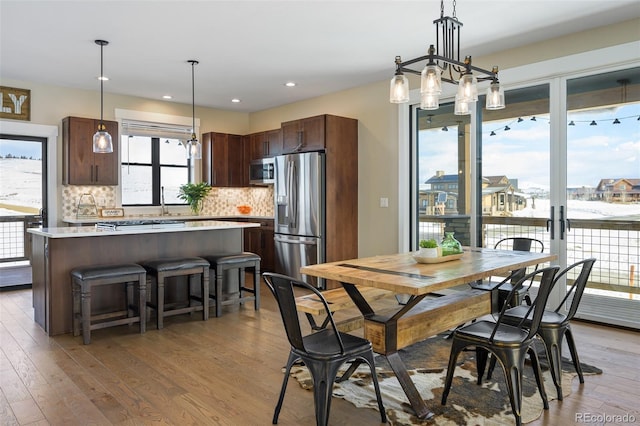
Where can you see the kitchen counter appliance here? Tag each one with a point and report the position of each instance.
(299, 191)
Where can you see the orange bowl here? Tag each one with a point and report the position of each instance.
(244, 209)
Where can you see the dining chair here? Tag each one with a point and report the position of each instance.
(508, 343)
(555, 323)
(322, 352)
(506, 285)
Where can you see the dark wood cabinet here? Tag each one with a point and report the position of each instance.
(260, 241)
(307, 134)
(265, 144)
(81, 166)
(223, 160)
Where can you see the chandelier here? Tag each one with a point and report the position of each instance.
(443, 64)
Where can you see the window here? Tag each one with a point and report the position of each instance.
(153, 156)
(152, 167)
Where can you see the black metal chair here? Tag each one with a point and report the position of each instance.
(506, 285)
(323, 352)
(555, 324)
(509, 343)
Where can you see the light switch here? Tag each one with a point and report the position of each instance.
(384, 202)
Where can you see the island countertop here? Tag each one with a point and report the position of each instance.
(93, 231)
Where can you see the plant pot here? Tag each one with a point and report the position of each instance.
(196, 207)
(428, 252)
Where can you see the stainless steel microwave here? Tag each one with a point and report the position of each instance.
(262, 171)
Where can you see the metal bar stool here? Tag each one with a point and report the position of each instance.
(160, 269)
(84, 279)
(239, 261)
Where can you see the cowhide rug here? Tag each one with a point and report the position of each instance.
(467, 402)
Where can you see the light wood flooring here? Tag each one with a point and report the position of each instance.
(225, 371)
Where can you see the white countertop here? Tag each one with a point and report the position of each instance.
(92, 231)
(165, 217)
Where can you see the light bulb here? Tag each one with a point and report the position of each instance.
(399, 89)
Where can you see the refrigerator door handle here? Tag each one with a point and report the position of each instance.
(294, 195)
(290, 241)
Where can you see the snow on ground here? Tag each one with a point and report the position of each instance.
(20, 184)
(580, 209)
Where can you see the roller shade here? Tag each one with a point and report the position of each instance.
(159, 130)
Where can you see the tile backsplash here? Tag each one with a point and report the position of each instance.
(219, 202)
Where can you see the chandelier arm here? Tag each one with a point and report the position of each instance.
(403, 66)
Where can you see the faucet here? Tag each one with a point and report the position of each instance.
(165, 210)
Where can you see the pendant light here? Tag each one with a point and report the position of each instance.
(194, 147)
(102, 142)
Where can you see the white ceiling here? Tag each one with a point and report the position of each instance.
(249, 49)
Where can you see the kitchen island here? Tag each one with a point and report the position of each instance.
(56, 251)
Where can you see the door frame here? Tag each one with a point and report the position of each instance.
(51, 134)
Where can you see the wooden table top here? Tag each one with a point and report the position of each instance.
(401, 273)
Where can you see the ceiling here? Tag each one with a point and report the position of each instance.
(249, 49)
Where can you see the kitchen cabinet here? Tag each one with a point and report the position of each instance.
(81, 166)
(264, 144)
(307, 134)
(260, 241)
(223, 160)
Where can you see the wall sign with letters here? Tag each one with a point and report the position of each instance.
(15, 103)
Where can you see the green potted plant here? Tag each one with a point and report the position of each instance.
(428, 248)
(193, 194)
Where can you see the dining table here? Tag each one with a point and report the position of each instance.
(421, 283)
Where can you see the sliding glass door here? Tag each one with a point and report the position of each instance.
(560, 164)
(602, 213)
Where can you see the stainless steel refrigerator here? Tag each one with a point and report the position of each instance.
(299, 191)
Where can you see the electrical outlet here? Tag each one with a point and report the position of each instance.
(384, 202)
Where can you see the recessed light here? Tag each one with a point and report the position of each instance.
(290, 84)
(167, 97)
(235, 100)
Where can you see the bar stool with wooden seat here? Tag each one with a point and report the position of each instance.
(84, 279)
(160, 269)
(222, 263)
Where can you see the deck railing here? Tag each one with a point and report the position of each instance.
(615, 243)
(15, 244)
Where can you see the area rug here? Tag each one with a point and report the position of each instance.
(467, 402)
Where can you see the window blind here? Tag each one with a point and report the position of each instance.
(159, 130)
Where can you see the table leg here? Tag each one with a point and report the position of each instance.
(398, 367)
(408, 386)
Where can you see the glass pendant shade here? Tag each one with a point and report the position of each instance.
(429, 101)
(468, 88)
(430, 81)
(495, 97)
(399, 89)
(102, 142)
(461, 107)
(194, 148)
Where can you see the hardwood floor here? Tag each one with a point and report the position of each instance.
(225, 371)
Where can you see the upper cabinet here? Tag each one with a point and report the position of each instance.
(223, 160)
(264, 144)
(80, 165)
(307, 134)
